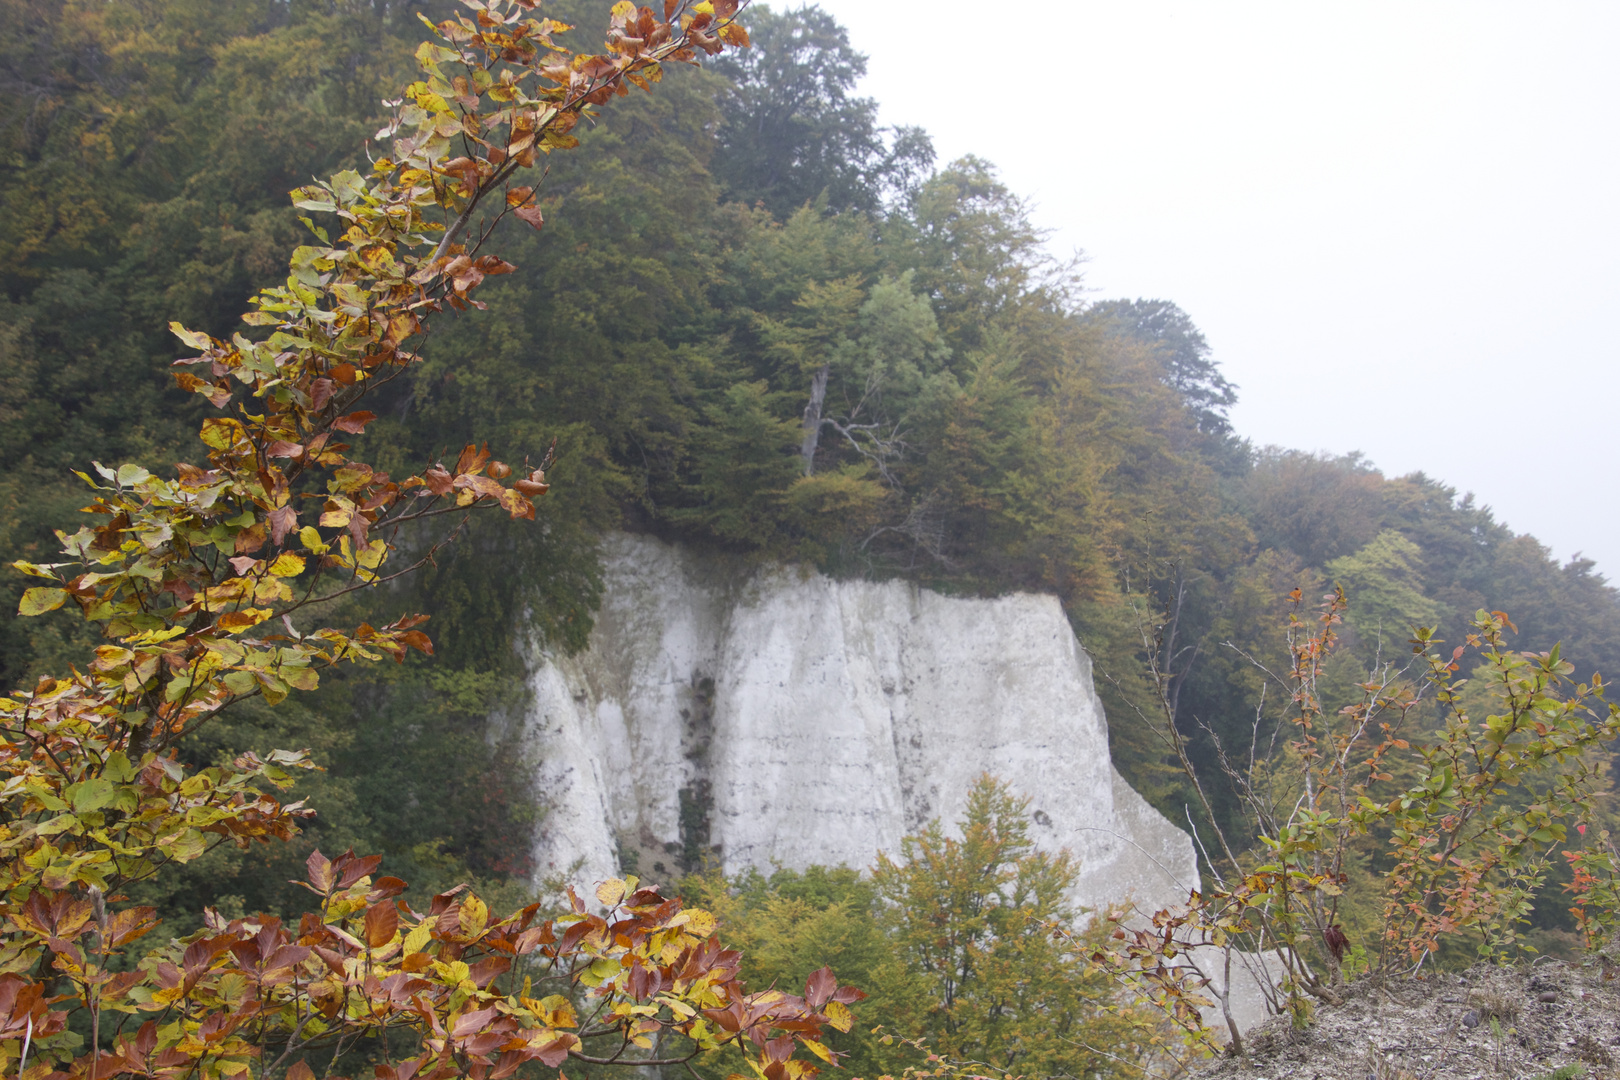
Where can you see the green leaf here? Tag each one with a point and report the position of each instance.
(184, 846)
(240, 682)
(38, 601)
(130, 475)
(118, 768)
(92, 794)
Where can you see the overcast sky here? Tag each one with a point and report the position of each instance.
(1396, 223)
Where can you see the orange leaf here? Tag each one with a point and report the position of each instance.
(382, 922)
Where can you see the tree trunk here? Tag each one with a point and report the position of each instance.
(812, 419)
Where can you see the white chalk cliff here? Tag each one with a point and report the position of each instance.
(774, 716)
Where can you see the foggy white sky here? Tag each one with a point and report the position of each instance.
(1398, 224)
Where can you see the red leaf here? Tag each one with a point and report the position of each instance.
(281, 448)
(531, 214)
(555, 1053)
(281, 523)
(468, 1023)
(385, 889)
(355, 422)
(354, 869)
(819, 987)
(487, 970)
(320, 392)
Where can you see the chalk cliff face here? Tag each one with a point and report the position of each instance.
(775, 716)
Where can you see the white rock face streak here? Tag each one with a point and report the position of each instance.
(775, 716)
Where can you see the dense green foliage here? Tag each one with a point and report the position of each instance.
(952, 938)
(754, 319)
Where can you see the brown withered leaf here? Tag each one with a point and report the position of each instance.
(482, 486)
(471, 459)
(438, 480)
(417, 640)
(534, 485)
(531, 214)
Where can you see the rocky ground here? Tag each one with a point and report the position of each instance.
(1552, 1019)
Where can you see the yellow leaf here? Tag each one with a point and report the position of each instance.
(838, 1015)
(311, 539)
(337, 513)
(270, 590)
(287, 565)
(417, 939)
(610, 892)
(191, 337)
(820, 1051)
(40, 600)
(372, 555)
(222, 433)
(678, 1007)
(555, 1011)
(235, 621)
(474, 916)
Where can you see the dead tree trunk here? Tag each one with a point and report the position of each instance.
(812, 419)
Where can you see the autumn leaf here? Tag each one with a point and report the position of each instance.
(281, 521)
(191, 337)
(234, 622)
(39, 600)
(354, 423)
(382, 922)
(287, 565)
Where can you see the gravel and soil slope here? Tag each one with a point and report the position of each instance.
(1550, 1019)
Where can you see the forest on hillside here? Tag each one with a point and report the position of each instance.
(756, 319)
